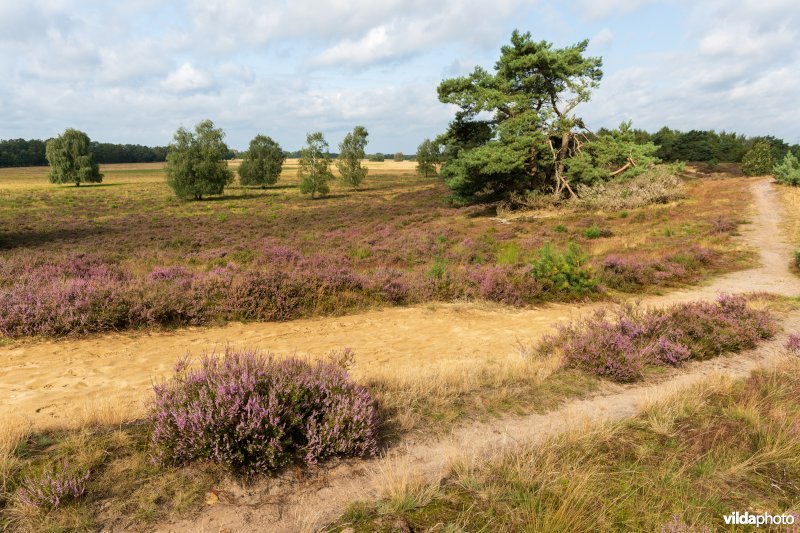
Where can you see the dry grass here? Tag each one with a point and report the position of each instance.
(790, 198)
(682, 464)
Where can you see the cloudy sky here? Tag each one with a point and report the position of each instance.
(134, 71)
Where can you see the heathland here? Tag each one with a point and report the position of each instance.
(441, 313)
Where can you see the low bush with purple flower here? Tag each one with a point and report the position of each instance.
(619, 345)
(793, 343)
(58, 485)
(254, 413)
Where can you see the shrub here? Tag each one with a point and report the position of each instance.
(619, 346)
(658, 185)
(788, 171)
(797, 258)
(504, 284)
(632, 273)
(723, 225)
(567, 272)
(758, 161)
(595, 232)
(793, 343)
(253, 413)
(54, 487)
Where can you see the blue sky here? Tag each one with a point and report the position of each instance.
(134, 71)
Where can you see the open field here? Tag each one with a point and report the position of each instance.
(127, 255)
(470, 361)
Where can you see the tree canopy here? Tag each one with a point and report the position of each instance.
(428, 156)
(611, 154)
(196, 163)
(531, 96)
(315, 163)
(758, 161)
(262, 163)
(71, 159)
(351, 152)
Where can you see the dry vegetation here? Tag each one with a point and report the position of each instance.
(398, 221)
(126, 254)
(790, 198)
(681, 465)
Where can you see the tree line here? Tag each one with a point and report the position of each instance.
(31, 153)
(709, 146)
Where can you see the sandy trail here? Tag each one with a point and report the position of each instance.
(289, 504)
(46, 382)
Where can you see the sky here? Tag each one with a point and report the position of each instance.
(134, 71)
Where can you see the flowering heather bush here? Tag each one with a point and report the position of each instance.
(53, 487)
(254, 413)
(793, 343)
(505, 284)
(169, 273)
(630, 273)
(619, 346)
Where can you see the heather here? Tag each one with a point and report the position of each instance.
(253, 414)
(128, 255)
(58, 485)
(619, 345)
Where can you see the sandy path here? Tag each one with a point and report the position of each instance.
(46, 382)
(288, 504)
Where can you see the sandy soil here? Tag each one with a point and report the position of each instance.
(46, 382)
(291, 504)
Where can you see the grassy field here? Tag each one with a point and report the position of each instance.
(128, 254)
(681, 465)
(395, 241)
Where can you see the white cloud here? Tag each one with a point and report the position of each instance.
(410, 32)
(188, 78)
(741, 72)
(603, 37)
(599, 9)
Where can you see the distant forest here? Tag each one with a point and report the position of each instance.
(24, 153)
(674, 145)
(707, 145)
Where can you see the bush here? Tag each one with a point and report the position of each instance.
(654, 186)
(566, 272)
(253, 413)
(54, 487)
(595, 232)
(758, 161)
(621, 345)
(788, 171)
(793, 343)
(632, 273)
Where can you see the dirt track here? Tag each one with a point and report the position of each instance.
(289, 505)
(46, 381)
